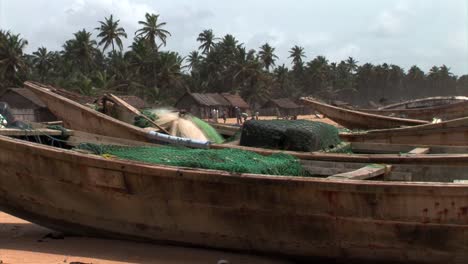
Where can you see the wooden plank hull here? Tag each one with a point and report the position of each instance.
(359, 120)
(450, 133)
(426, 102)
(304, 217)
(445, 112)
(79, 117)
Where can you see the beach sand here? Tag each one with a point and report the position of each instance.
(306, 117)
(24, 242)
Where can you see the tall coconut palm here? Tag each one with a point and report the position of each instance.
(206, 38)
(153, 30)
(110, 32)
(194, 60)
(267, 56)
(81, 51)
(297, 53)
(352, 64)
(42, 61)
(12, 61)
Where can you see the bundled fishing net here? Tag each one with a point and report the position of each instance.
(231, 160)
(298, 135)
(3, 121)
(187, 126)
(208, 130)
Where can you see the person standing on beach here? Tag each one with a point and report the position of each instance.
(238, 115)
(224, 116)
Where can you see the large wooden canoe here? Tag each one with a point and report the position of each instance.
(452, 132)
(337, 217)
(453, 110)
(426, 102)
(359, 120)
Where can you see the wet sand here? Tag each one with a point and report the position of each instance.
(24, 242)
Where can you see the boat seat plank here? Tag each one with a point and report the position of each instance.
(16, 132)
(420, 151)
(367, 172)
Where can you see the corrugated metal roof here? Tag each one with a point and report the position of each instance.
(236, 100)
(285, 103)
(134, 101)
(206, 99)
(219, 98)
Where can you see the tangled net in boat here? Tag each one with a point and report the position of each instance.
(231, 160)
(187, 126)
(298, 135)
(142, 122)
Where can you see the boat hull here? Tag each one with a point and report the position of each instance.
(444, 112)
(360, 120)
(292, 216)
(449, 133)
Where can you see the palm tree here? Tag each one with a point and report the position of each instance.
(152, 30)
(352, 64)
(206, 38)
(193, 60)
(81, 51)
(267, 55)
(12, 61)
(110, 32)
(42, 61)
(297, 53)
(415, 81)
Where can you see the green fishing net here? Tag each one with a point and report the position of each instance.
(208, 130)
(142, 122)
(231, 160)
(298, 135)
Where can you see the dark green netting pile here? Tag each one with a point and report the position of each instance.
(231, 160)
(207, 130)
(298, 135)
(142, 122)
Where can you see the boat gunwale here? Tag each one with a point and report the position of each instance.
(454, 97)
(151, 170)
(364, 114)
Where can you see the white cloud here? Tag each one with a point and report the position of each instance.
(401, 32)
(392, 22)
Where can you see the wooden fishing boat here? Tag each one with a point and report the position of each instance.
(359, 120)
(426, 102)
(348, 211)
(452, 132)
(73, 115)
(456, 109)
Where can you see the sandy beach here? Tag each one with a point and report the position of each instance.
(24, 242)
(306, 117)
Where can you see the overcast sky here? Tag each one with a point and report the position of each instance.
(403, 32)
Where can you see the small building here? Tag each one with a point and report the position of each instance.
(200, 105)
(26, 106)
(134, 101)
(282, 107)
(235, 100)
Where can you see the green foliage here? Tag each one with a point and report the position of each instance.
(231, 160)
(220, 65)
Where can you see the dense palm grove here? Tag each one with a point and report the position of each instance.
(96, 64)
